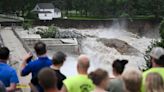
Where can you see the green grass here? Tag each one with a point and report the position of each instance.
(88, 18)
(144, 17)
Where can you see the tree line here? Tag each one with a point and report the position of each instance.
(97, 8)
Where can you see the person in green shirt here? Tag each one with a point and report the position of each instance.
(80, 82)
(157, 60)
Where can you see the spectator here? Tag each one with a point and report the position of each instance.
(58, 60)
(157, 60)
(36, 65)
(2, 87)
(80, 82)
(7, 74)
(48, 80)
(116, 84)
(132, 80)
(154, 83)
(100, 79)
(118, 67)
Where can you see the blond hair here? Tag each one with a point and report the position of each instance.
(132, 80)
(154, 83)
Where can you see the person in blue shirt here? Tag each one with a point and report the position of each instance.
(7, 74)
(34, 66)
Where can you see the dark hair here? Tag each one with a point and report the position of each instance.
(47, 78)
(160, 61)
(119, 65)
(40, 48)
(4, 53)
(58, 58)
(98, 76)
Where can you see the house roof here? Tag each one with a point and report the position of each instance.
(45, 5)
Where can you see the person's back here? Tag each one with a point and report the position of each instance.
(132, 79)
(118, 67)
(80, 82)
(58, 61)
(159, 70)
(48, 80)
(34, 66)
(157, 60)
(116, 85)
(7, 74)
(100, 79)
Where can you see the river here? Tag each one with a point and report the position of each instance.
(102, 56)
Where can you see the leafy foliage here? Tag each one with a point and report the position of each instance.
(48, 33)
(27, 25)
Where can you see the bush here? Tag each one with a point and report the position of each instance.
(48, 33)
(27, 25)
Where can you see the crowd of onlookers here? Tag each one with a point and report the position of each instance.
(46, 75)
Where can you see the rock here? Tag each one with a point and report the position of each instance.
(68, 34)
(121, 46)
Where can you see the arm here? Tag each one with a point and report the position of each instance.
(12, 87)
(23, 66)
(64, 89)
(13, 82)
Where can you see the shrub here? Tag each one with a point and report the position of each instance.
(48, 33)
(27, 25)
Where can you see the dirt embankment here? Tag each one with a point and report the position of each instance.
(121, 46)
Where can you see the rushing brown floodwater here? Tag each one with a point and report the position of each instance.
(102, 56)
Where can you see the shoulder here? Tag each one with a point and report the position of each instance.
(150, 71)
(33, 62)
(9, 68)
(49, 60)
(60, 74)
(115, 82)
(69, 80)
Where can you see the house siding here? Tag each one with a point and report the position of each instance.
(48, 15)
(45, 16)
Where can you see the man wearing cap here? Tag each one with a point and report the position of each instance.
(157, 61)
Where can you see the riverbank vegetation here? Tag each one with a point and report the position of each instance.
(89, 9)
(155, 43)
(48, 33)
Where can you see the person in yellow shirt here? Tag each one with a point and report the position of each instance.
(157, 60)
(80, 82)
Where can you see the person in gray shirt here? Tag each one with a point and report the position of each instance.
(116, 85)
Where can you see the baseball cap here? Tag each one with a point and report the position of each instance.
(157, 52)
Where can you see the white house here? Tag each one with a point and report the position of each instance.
(47, 11)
